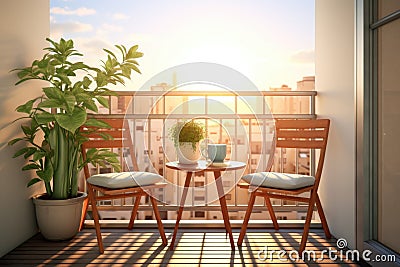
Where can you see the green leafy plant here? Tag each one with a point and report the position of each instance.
(187, 132)
(53, 132)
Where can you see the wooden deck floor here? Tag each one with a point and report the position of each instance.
(194, 247)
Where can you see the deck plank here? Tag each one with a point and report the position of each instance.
(194, 247)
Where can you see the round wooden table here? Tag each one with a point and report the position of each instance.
(205, 166)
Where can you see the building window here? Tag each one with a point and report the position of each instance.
(199, 214)
(198, 184)
(164, 215)
(199, 174)
(199, 198)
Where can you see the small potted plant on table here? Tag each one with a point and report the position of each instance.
(52, 131)
(186, 136)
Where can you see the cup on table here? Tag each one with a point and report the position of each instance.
(216, 152)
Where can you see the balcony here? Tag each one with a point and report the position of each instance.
(202, 238)
(348, 88)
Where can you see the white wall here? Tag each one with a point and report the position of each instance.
(335, 83)
(23, 29)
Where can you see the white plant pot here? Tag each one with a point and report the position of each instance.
(186, 154)
(59, 219)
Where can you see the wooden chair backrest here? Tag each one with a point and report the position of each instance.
(121, 138)
(309, 134)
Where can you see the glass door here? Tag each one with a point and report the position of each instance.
(386, 80)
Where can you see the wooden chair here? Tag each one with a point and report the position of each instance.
(111, 186)
(309, 134)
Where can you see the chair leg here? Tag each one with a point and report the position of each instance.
(134, 212)
(323, 218)
(159, 222)
(84, 211)
(96, 218)
(307, 222)
(246, 218)
(271, 212)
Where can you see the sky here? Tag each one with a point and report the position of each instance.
(269, 41)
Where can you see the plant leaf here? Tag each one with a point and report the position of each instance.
(135, 68)
(27, 130)
(51, 103)
(14, 141)
(90, 104)
(33, 181)
(30, 152)
(132, 52)
(45, 117)
(47, 174)
(126, 71)
(70, 101)
(103, 101)
(20, 152)
(53, 92)
(96, 123)
(31, 166)
(79, 65)
(73, 121)
(82, 96)
(86, 82)
(101, 79)
(109, 52)
(38, 155)
(27, 107)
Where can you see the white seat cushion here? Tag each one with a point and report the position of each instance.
(124, 179)
(279, 180)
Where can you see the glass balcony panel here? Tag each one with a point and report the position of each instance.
(221, 105)
(244, 136)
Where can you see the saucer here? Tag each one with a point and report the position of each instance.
(220, 164)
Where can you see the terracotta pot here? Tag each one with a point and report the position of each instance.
(59, 219)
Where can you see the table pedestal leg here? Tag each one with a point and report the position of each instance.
(180, 211)
(224, 208)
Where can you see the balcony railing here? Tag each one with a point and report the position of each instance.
(149, 111)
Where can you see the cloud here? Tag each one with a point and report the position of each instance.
(110, 28)
(58, 29)
(120, 16)
(93, 45)
(303, 56)
(82, 11)
(105, 29)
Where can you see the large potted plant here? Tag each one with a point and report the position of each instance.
(186, 136)
(53, 128)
